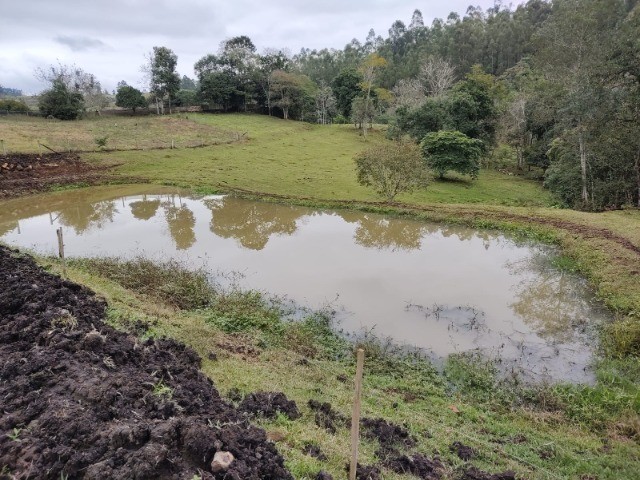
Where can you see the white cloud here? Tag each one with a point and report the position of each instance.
(110, 39)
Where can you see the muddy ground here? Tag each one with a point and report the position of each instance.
(82, 400)
(27, 173)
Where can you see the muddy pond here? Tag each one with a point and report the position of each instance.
(443, 289)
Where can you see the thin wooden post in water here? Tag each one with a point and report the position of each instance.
(61, 251)
(355, 417)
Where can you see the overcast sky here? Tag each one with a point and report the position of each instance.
(110, 38)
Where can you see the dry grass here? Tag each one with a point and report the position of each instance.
(23, 134)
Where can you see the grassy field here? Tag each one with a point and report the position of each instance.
(299, 159)
(569, 431)
(24, 134)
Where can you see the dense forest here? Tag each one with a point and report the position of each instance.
(552, 87)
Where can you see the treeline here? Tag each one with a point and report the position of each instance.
(553, 86)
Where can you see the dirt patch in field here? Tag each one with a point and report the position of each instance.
(82, 400)
(389, 435)
(326, 417)
(463, 452)
(268, 405)
(26, 173)
(473, 473)
(417, 465)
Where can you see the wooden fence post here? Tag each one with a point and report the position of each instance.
(355, 417)
(61, 251)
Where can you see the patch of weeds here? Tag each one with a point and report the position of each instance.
(65, 321)
(15, 434)
(101, 142)
(471, 372)
(384, 357)
(313, 336)
(242, 311)
(565, 263)
(170, 282)
(160, 389)
(622, 338)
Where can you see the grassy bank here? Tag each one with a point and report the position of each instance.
(247, 344)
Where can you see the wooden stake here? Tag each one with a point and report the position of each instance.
(355, 417)
(4, 150)
(61, 252)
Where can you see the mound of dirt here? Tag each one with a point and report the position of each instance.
(268, 405)
(389, 435)
(418, 465)
(463, 452)
(314, 451)
(25, 173)
(366, 472)
(82, 400)
(326, 417)
(474, 473)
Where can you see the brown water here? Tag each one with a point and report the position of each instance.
(444, 289)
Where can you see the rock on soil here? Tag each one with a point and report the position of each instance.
(268, 405)
(82, 400)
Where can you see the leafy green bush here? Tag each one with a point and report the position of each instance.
(13, 106)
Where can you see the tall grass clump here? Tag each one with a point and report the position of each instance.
(170, 282)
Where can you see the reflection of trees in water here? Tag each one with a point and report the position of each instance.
(181, 222)
(549, 301)
(374, 231)
(251, 223)
(144, 209)
(83, 216)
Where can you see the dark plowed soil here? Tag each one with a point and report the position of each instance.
(314, 451)
(473, 473)
(366, 472)
(82, 400)
(322, 475)
(268, 405)
(326, 417)
(418, 465)
(25, 173)
(389, 435)
(463, 452)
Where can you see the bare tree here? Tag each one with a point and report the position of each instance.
(438, 75)
(325, 103)
(76, 80)
(409, 93)
(515, 127)
(369, 69)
